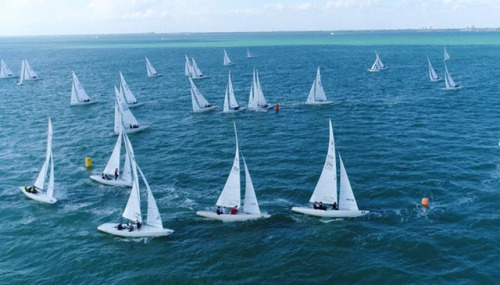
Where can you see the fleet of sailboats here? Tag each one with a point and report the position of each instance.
(230, 103)
(151, 70)
(27, 73)
(124, 117)
(230, 196)
(200, 104)
(432, 73)
(41, 191)
(378, 65)
(78, 94)
(127, 93)
(256, 100)
(192, 70)
(137, 227)
(326, 189)
(317, 93)
(5, 72)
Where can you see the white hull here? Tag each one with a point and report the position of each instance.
(83, 103)
(229, 64)
(7, 77)
(206, 109)
(452, 89)
(231, 218)
(156, 75)
(261, 109)
(145, 231)
(329, 213)
(319, 103)
(112, 182)
(133, 131)
(436, 80)
(230, 111)
(40, 197)
(134, 105)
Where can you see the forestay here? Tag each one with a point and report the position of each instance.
(153, 218)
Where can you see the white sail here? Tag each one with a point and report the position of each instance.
(129, 96)
(261, 100)
(375, 66)
(249, 54)
(380, 63)
(150, 69)
(78, 93)
(446, 55)
(227, 61)
(432, 73)
(449, 82)
(39, 183)
(231, 193)
(196, 71)
(123, 115)
(127, 169)
(188, 68)
(50, 185)
(153, 218)
(21, 74)
(5, 72)
(317, 93)
(197, 98)
(251, 205)
(346, 196)
(114, 159)
(30, 74)
(229, 98)
(133, 209)
(252, 103)
(326, 189)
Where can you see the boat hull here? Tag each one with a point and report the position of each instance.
(145, 231)
(7, 77)
(240, 217)
(330, 213)
(452, 89)
(156, 75)
(203, 77)
(40, 197)
(320, 103)
(229, 64)
(231, 111)
(83, 103)
(119, 182)
(133, 131)
(206, 109)
(134, 105)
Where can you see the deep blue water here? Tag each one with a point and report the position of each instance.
(400, 136)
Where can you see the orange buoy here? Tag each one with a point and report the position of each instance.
(425, 202)
(277, 108)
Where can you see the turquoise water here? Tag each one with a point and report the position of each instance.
(400, 136)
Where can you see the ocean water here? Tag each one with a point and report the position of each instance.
(400, 136)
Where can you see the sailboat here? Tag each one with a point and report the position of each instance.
(446, 54)
(326, 189)
(227, 61)
(231, 195)
(200, 104)
(188, 68)
(317, 93)
(153, 226)
(196, 72)
(124, 117)
(432, 73)
(151, 70)
(36, 192)
(449, 83)
(5, 72)
(230, 103)
(256, 100)
(78, 94)
(27, 73)
(249, 54)
(129, 96)
(108, 174)
(378, 65)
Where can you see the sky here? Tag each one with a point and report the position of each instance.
(70, 17)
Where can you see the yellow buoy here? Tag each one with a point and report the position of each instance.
(425, 202)
(88, 162)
